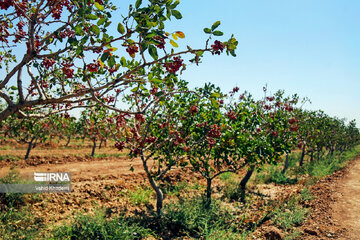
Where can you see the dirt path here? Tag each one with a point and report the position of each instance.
(346, 210)
(84, 170)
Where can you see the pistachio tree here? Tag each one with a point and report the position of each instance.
(58, 55)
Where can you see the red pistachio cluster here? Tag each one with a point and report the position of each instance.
(67, 70)
(231, 114)
(154, 90)
(217, 47)
(193, 109)
(93, 67)
(132, 49)
(48, 62)
(140, 118)
(5, 4)
(174, 66)
(150, 139)
(211, 141)
(161, 40)
(214, 131)
(270, 99)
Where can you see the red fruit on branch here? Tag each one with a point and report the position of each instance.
(231, 114)
(161, 40)
(150, 139)
(140, 118)
(48, 62)
(267, 107)
(292, 120)
(193, 109)
(294, 128)
(274, 133)
(154, 90)
(289, 108)
(211, 142)
(270, 98)
(214, 131)
(132, 49)
(174, 66)
(5, 4)
(217, 47)
(93, 67)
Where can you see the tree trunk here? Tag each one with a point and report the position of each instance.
(208, 192)
(93, 148)
(155, 187)
(35, 143)
(246, 178)
(68, 141)
(301, 163)
(311, 156)
(101, 142)
(286, 164)
(29, 148)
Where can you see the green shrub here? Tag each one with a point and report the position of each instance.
(274, 175)
(232, 191)
(10, 157)
(306, 195)
(175, 189)
(191, 217)
(140, 196)
(12, 200)
(20, 224)
(289, 215)
(226, 176)
(98, 227)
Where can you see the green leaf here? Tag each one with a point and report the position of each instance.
(176, 14)
(95, 29)
(138, 3)
(99, 6)
(199, 53)
(153, 52)
(156, 81)
(214, 102)
(215, 95)
(173, 43)
(78, 30)
(218, 33)
(207, 30)
(120, 28)
(134, 89)
(101, 21)
(172, 6)
(105, 56)
(91, 17)
(72, 41)
(111, 61)
(13, 88)
(215, 25)
(123, 61)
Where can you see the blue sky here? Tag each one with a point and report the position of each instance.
(307, 47)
